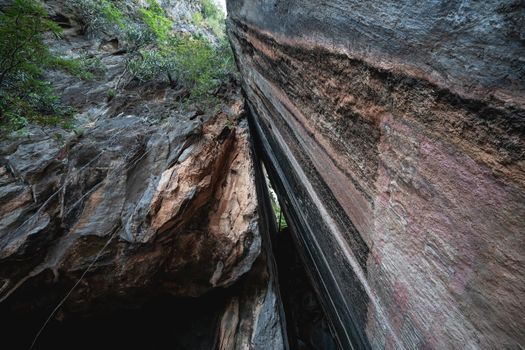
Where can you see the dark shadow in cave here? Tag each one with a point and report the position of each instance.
(182, 323)
(163, 323)
(308, 328)
(306, 323)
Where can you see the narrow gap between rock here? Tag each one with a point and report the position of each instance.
(306, 322)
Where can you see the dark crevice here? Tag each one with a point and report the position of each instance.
(306, 323)
(346, 318)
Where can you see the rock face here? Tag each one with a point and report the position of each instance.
(394, 132)
(148, 208)
(170, 205)
(149, 198)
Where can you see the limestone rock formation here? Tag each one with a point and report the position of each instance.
(394, 131)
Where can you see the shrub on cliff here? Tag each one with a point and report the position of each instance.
(279, 215)
(156, 51)
(114, 19)
(24, 95)
(211, 17)
(186, 60)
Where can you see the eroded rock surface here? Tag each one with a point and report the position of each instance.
(146, 210)
(148, 195)
(395, 133)
(160, 204)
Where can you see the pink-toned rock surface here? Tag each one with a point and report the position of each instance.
(399, 158)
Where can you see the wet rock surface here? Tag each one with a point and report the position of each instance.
(395, 134)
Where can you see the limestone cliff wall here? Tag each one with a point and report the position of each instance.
(394, 132)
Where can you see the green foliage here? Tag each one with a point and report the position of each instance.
(106, 17)
(210, 17)
(110, 94)
(189, 61)
(195, 64)
(150, 64)
(24, 96)
(217, 27)
(85, 68)
(39, 104)
(136, 36)
(157, 52)
(279, 215)
(155, 18)
(112, 13)
(210, 10)
(198, 18)
(22, 26)
(73, 67)
(94, 66)
(100, 16)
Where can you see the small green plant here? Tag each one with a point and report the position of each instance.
(110, 94)
(59, 138)
(112, 13)
(281, 221)
(22, 25)
(158, 23)
(79, 131)
(24, 95)
(93, 66)
(84, 67)
(211, 17)
(229, 124)
(106, 17)
(197, 18)
(151, 64)
(136, 36)
(210, 10)
(74, 67)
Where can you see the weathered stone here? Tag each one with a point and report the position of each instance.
(149, 195)
(395, 134)
(150, 200)
(177, 201)
(251, 319)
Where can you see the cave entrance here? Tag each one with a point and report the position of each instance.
(306, 323)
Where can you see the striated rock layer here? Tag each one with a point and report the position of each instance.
(172, 206)
(394, 133)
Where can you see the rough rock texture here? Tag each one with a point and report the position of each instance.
(147, 209)
(253, 319)
(394, 132)
(151, 210)
(149, 195)
(173, 205)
